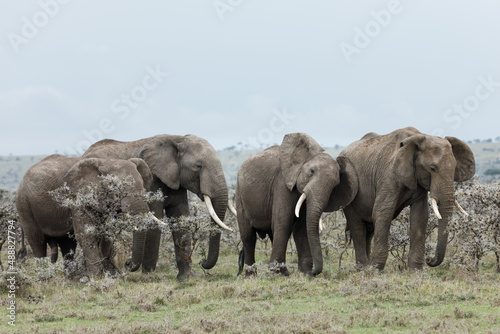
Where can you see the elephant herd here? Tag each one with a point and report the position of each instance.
(280, 191)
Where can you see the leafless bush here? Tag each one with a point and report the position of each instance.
(476, 235)
(101, 206)
(334, 238)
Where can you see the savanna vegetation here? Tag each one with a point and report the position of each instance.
(486, 153)
(461, 295)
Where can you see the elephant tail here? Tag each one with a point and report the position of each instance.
(21, 253)
(241, 262)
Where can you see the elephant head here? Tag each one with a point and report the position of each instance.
(190, 162)
(87, 172)
(434, 163)
(327, 185)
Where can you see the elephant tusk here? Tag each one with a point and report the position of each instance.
(435, 208)
(159, 222)
(299, 204)
(231, 208)
(320, 224)
(208, 203)
(461, 209)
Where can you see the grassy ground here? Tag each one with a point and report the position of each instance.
(436, 300)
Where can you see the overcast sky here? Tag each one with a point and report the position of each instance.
(237, 71)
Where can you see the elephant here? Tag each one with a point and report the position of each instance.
(396, 170)
(46, 222)
(42, 221)
(178, 164)
(273, 184)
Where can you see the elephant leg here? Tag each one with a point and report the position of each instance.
(382, 225)
(303, 249)
(182, 245)
(92, 254)
(419, 216)
(249, 239)
(152, 241)
(107, 252)
(34, 235)
(91, 248)
(54, 249)
(182, 239)
(282, 230)
(358, 231)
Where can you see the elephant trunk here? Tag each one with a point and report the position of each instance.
(219, 203)
(446, 203)
(314, 212)
(138, 246)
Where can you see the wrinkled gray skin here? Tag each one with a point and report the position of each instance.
(178, 164)
(398, 170)
(46, 222)
(268, 187)
(41, 219)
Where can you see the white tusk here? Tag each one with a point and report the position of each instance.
(159, 222)
(208, 203)
(460, 208)
(299, 204)
(435, 208)
(320, 224)
(231, 208)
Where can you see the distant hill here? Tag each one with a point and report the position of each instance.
(12, 168)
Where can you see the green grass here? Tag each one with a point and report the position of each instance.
(436, 300)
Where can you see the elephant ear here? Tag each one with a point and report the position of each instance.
(466, 164)
(346, 190)
(144, 170)
(295, 150)
(404, 163)
(161, 155)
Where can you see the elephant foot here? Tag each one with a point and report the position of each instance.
(279, 268)
(306, 269)
(110, 268)
(184, 277)
(250, 271)
(131, 267)
(146, 269)
(415, 270)
(360, 266)
(53, 257)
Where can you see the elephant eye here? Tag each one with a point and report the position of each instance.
(312, 171)
(433, 169)
(198, 165)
